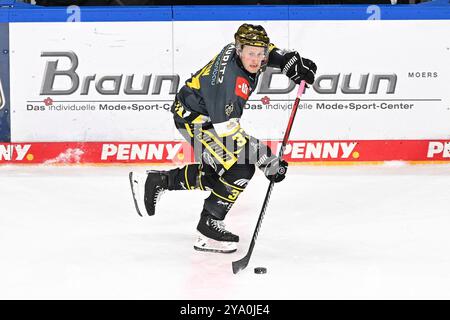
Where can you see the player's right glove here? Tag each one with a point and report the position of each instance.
(298, 68)
(274, 168)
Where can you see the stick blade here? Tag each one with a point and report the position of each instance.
(240, 264)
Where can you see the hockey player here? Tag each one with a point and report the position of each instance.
(206, 111)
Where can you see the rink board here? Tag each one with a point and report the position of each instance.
(108, 78)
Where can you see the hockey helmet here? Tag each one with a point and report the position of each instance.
(251, 35)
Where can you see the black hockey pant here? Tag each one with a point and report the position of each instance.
(225, 182)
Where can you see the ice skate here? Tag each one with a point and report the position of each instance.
(147, 190)
(213, 237)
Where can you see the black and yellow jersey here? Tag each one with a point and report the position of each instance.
(218, 92)
(214, 99)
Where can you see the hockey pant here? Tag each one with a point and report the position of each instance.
(217, 170)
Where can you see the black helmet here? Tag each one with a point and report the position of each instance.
(251, 35)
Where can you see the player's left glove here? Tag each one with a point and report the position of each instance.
(298, 68)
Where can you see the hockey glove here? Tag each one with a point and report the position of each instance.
(274, 168)
(298, 68)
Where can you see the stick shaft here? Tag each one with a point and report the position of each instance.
(301, 88)
(242, 263)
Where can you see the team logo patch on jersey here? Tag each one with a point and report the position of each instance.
(209, 160)
(229, 109)
(242, 88)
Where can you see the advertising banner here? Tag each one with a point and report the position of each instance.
(92, 81)
(176, 153)
(374, 79)
(116, 81)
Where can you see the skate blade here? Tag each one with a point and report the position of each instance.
(210, 245)
(134, 184)
(214, 250)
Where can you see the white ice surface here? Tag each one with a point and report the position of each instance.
(369, 232)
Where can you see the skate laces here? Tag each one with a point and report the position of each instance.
(159, 192)
(219, 226)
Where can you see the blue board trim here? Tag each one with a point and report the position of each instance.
(230, 13)
(435, 10)
(91, 14)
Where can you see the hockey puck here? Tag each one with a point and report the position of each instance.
(260, 270)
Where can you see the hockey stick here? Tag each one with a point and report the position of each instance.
(242, 263)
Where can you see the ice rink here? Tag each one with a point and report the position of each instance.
(342, 232)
